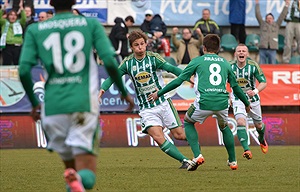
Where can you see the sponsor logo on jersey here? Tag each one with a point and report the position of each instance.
(242, 82)
(143, 77)
(147, 89)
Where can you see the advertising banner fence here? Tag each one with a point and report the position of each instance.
(23, 132)
(282, 89)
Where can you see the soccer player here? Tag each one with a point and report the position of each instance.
(70, 113)
(247, 72)
(211, 74)
(142, 66)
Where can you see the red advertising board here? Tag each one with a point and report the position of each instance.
(283, 83)
(123, 130)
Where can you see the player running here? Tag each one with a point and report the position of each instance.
(142, 66)
(211, 75)
(247, 72)
(70, 112)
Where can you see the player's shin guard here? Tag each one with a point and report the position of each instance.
(171, 150)
(229, 143)
(192, 138)
(261, 133)
(88, 178)
(243, 137)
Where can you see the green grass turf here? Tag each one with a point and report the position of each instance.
(148, 169)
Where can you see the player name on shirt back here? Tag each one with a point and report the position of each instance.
(63, 23)
(213, 59)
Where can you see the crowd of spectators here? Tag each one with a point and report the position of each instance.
(187, 43)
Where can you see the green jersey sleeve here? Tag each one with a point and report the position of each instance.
(28, 59)
(108, 82)
(184, 76)
(259, 75)
(170, 68)
(106, 52)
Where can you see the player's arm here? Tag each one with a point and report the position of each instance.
(184, 76)
(106, 52)
(109, 81)
(259, 75)
(170, 68)
(27, 60)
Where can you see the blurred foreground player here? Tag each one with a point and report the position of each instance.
(70, 113)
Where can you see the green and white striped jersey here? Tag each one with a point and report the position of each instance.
(145, 76)
(247, 76)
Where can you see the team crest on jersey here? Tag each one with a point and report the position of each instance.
(134, 68)
(242, 82)
(143, 77)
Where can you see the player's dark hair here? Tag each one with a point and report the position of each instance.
(62, 5)
(137, 34)
(212, 43)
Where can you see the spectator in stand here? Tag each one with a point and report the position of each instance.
(292, 29)
(11, 36)
(158, 26)
(206, 25)
(29, 17)
(118, 36)
(145, 26)
(16, 4)
(42, 16)
(154, 36)
(49, 14)
(237, 19)
(187, 47)
(269, 34)
(159, 30)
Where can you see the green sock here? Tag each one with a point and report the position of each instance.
(88, 178)
(229, 143)
(192, 137)
(68, 188)
(243, 137)
(261, 133)
(171, 150)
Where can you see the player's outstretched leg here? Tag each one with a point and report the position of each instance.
(171, 150)
(261, 138)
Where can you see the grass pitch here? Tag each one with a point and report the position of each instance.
(150, 170)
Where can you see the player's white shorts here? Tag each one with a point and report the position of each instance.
(64, 132)
(164, 115)
(255, 112)
(195, 114)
